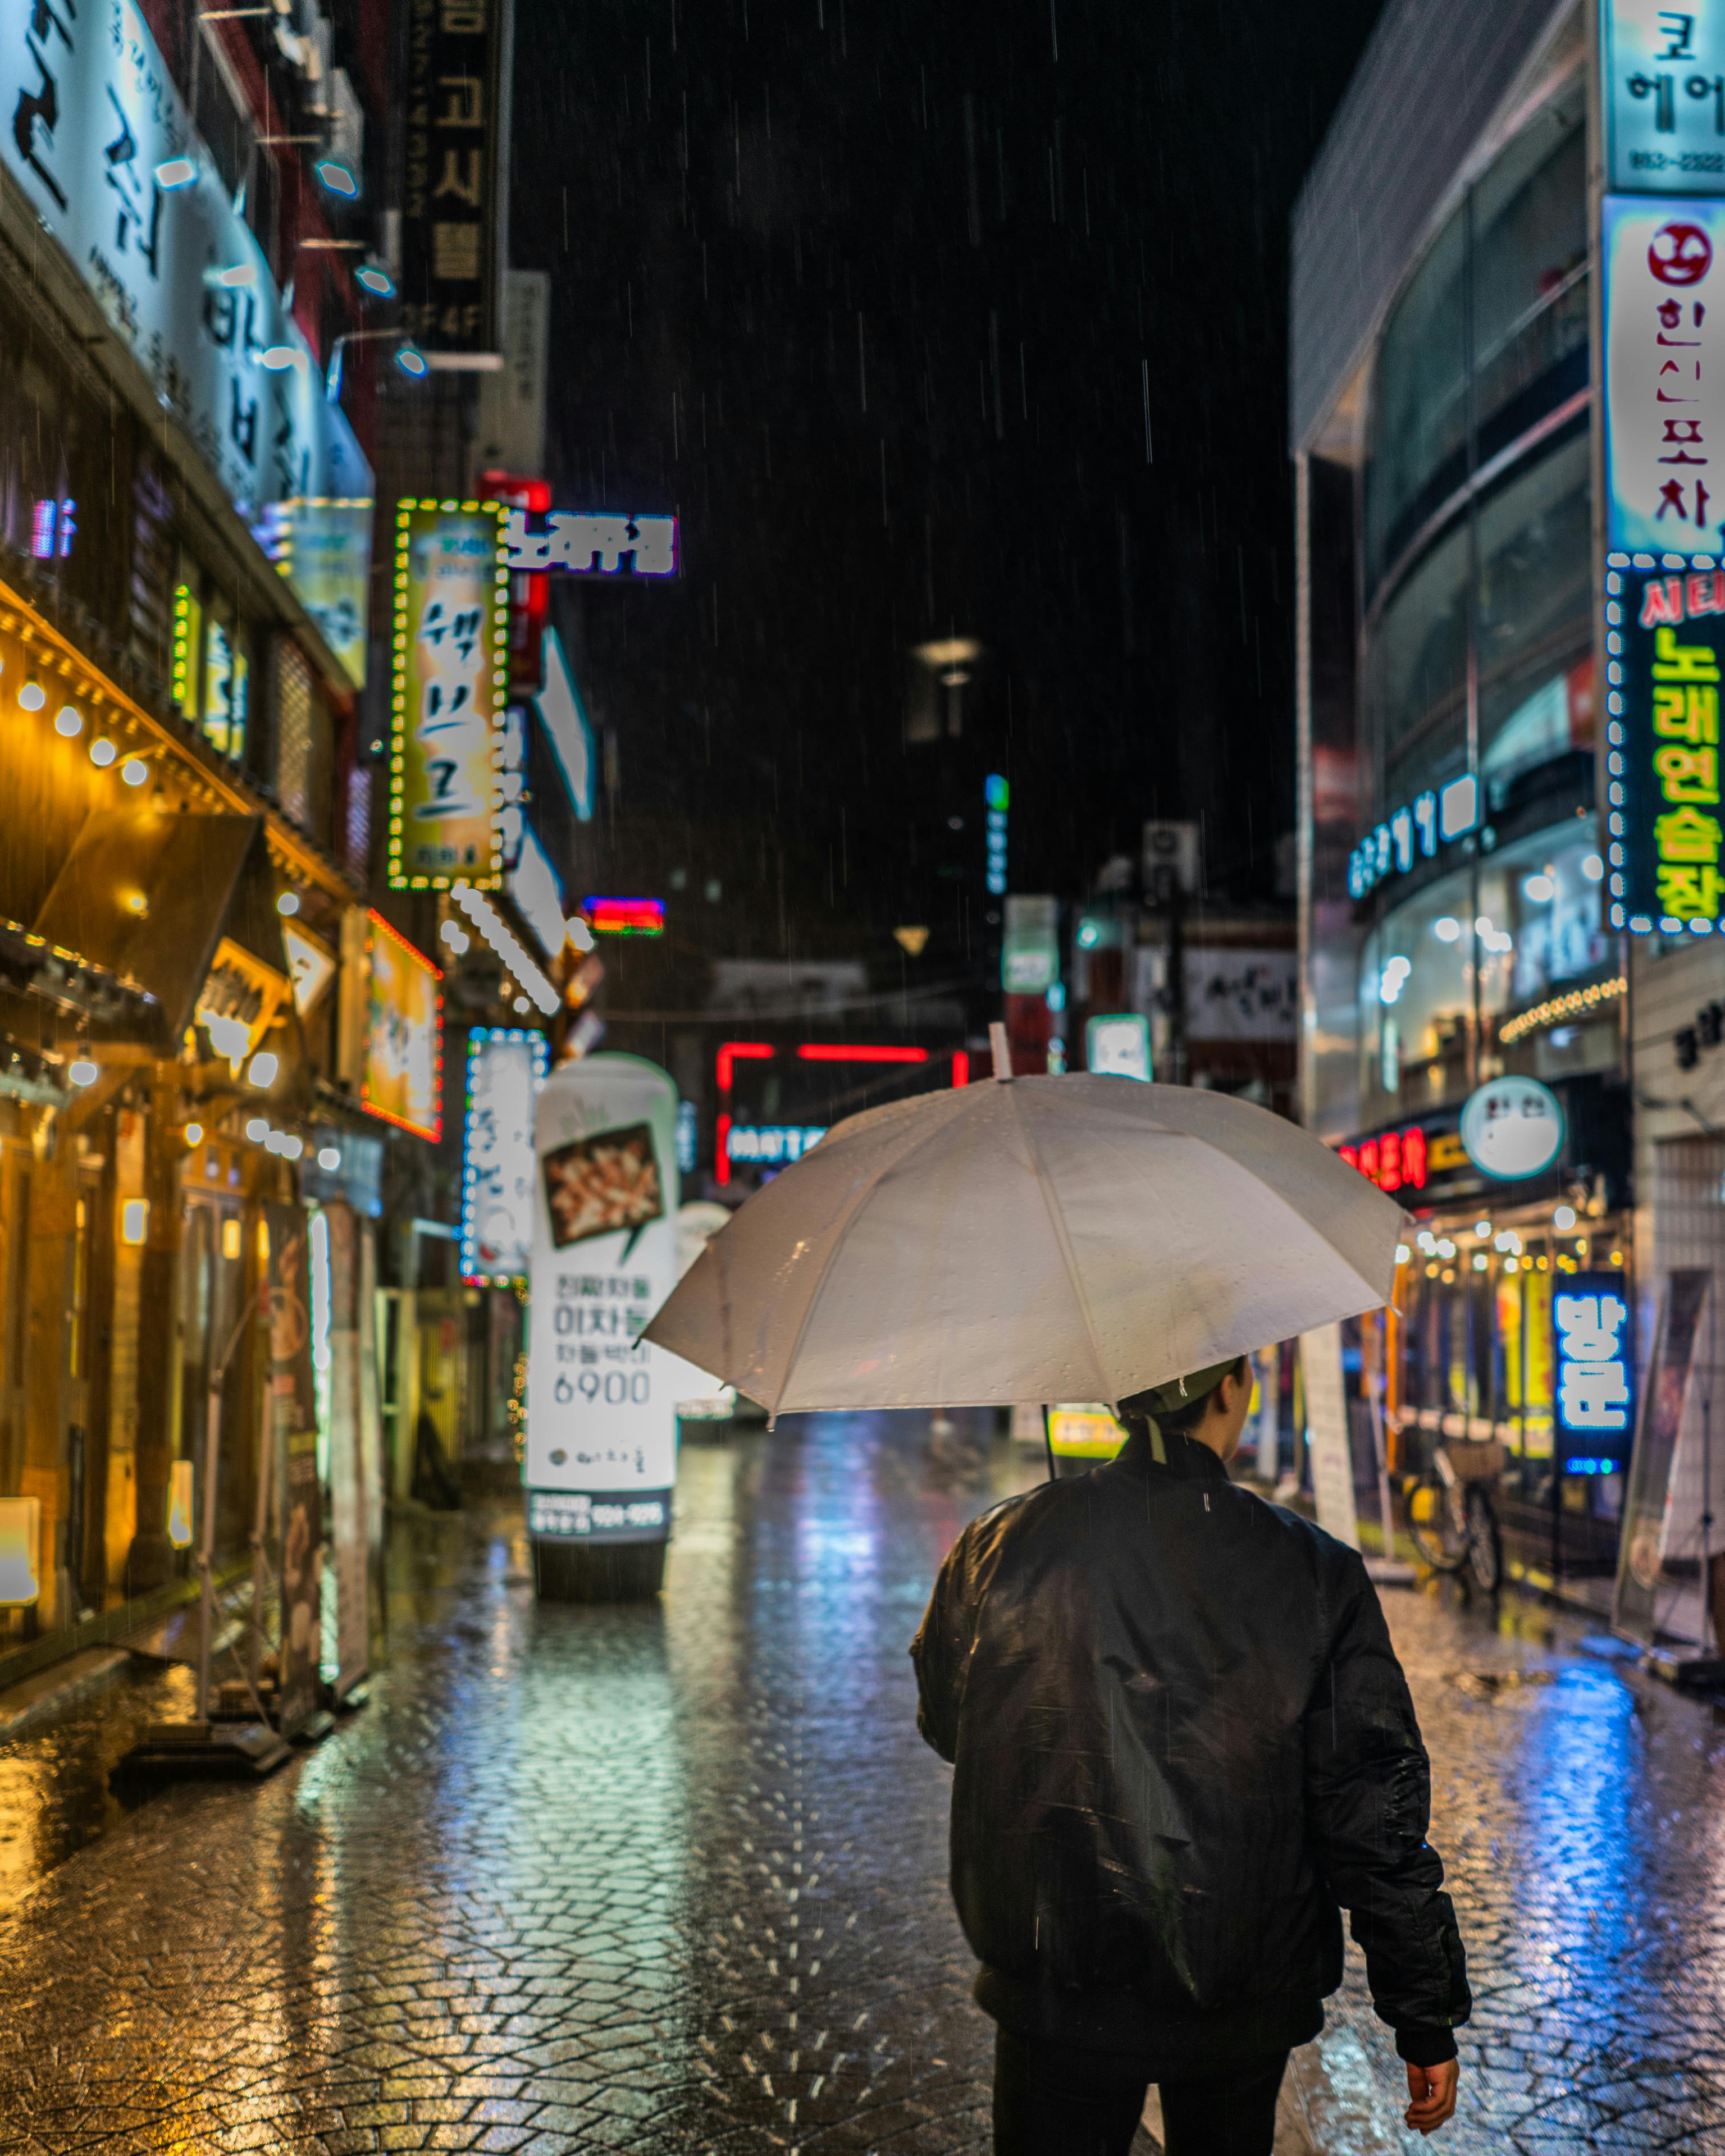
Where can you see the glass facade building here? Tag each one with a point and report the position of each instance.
(1453, 873)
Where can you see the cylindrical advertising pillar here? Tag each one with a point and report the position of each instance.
(601, 1457)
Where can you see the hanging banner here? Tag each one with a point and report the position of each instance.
(100, 142)
(292, 1408)
(1659, 1543)
(452, 205)
(1664, 375)
(1662, 727)
(601, 1419)
(401, 1082)
(448, 696)
(324, 549)
(1326, 1438)
(505, 1068)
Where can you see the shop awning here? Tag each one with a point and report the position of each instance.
(151, 893)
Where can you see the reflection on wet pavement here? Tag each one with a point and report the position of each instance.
(671, 1878)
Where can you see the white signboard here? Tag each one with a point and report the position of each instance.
(98, 139)
(601, 1419)
(1512, 1126)
(505, 1068)
(1326, 1432)
(1241, 995)
(1664, 93)
(1664, 375)
(585, 546)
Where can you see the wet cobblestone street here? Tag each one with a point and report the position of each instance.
(670, 1879)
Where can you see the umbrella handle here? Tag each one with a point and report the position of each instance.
(1048, 1444)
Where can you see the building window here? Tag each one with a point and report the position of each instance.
(295, 722)
(1491, 331)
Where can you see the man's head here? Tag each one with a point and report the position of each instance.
(1208, 1404)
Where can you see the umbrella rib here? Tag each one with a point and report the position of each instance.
(921, 1139)
(1057, 1220)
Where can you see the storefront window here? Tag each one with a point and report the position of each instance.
(1530, 919)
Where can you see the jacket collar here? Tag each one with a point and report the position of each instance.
(1185, 1460)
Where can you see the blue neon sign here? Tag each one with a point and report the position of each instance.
(1595, 1371)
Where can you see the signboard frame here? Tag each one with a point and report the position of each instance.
(447, 706)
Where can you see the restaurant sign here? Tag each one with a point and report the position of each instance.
(449, 687)
(1664, 635)
(104, 152)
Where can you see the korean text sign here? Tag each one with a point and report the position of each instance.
(402, 1080)
(602, 1418)
(92, 117)
(1595, 1403)
(448, 693)
(505, 1068)
(450, 205)
(1665, 635)
(1664, 374)
(1663, 84)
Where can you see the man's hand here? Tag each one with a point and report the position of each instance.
(1433, 2091)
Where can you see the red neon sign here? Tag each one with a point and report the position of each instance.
(823, 1051)
(625, 917)
(961, 1067)
(1394, 1161)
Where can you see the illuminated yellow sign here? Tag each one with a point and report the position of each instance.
(450, 685)
(402, 1082)
(1083, 1431)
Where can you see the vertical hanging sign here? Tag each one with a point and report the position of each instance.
(602, 1414)
(452, 206)
(1659, 247)
(449, 692)
(1326, 1435)
(505, 1068)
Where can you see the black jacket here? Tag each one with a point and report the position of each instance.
(1182, 1738)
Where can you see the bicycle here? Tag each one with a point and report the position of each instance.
(1453, 1522)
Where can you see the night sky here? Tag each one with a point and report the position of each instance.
(870, 295)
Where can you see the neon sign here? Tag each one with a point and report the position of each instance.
(583, 546)
(1396, 1160)
(775, 1143)
(1665, 824)
(1414, 833)
(1594, 1390)
(625, 917)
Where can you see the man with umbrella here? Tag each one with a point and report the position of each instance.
(1183, 1744)
(1181, 1734)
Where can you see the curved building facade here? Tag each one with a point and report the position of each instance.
(1454, 874)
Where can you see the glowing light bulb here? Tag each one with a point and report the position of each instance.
(68, 722)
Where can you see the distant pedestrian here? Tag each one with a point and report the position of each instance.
(1183, 1744)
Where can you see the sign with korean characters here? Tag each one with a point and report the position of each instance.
(601, 1403)
(97, 137)
(324, 549)
(1666, 636)
(448, 694)
(505, 1068)
(1664, 375)
(451, 201)
(1672, 1496)
(1595, 1371)
(1663, 85)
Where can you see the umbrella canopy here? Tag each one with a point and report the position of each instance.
(1030, 1240)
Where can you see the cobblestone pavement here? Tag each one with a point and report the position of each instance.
(670, 1879)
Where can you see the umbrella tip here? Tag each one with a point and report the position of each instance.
(1002, 1053)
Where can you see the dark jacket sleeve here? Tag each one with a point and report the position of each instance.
(1368, 1805)
(941, 1652)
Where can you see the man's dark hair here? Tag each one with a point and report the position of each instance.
(1187, 1416)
